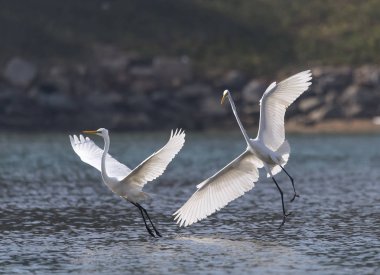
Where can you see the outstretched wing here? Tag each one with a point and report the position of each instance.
(273, 104)
(231, 182)
(155, 165)
(91, 154)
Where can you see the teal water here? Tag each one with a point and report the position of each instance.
(57, 217)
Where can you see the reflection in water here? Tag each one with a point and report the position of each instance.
(55, 214)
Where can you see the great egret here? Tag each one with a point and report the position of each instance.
(269, 150)
(121, 180)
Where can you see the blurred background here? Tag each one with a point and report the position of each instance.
(143, 67)
(149, 65)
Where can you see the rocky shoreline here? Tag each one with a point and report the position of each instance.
(124, 91)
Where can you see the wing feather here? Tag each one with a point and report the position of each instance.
(273, 105)
(231, 182)
(91, 154)
(155, 165)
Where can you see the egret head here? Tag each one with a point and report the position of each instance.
(100, 132)
(225, 94)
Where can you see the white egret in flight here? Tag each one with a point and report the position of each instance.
(269, 150)
(121, 180)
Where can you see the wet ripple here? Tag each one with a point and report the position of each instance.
(56, 216)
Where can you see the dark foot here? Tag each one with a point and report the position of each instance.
(150, 232)
(295, 195)
(284, 219)
(151, 223)
(158, 233)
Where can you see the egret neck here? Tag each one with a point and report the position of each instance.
(238, 120)
(105, 177)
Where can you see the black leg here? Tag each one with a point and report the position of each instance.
(283, 205)
(146, 213)
(142, 214)
(291, 179)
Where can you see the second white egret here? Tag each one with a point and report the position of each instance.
(269, 149)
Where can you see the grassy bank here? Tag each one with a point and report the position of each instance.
(258, 36)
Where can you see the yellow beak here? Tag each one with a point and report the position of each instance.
(223, 98)
(90, 132)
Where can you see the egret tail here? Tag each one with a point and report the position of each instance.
(284, 152)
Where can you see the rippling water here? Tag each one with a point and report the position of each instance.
(56, 215)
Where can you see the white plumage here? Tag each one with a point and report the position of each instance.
(269, 150)
(217, 191)
(152, 167)
(273, 104)
(91, 154)
(118, 177)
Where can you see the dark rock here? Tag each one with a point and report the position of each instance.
(251, 110)
(136, 121)
(141, 93)
(251, 120)
(232, 80)
(143, 86)
(159, 96)
(309, 103)
(57, 78)
(361, 95)
(197, 90)
(253, 91)
(350, 94)
(56, 102)
(326, 79)
(331, 96)
(367, 76)
(360, 101)
(6, 95)
(142, 71)
(172, 71)
(104, 102)
(352, 110)
(113, 59)
(319, 114)
(11, 100)
(20, 72)
(139, 103)
(210, 106)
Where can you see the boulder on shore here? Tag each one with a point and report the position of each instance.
(20, 72)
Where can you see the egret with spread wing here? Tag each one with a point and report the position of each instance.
(269, 150)
(123, 181)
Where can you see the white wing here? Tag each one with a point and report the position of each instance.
(273, 104)
(155, 165)
(91, 154)
(231, 182)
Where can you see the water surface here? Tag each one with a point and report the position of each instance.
(57, 216)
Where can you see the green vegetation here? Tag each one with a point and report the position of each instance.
(256, 35)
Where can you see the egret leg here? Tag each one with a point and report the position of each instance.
(292, 180)
(142, 214)
(283, 205)
(146, 213)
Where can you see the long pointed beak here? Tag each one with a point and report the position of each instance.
(223, 98)
(90, 132)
